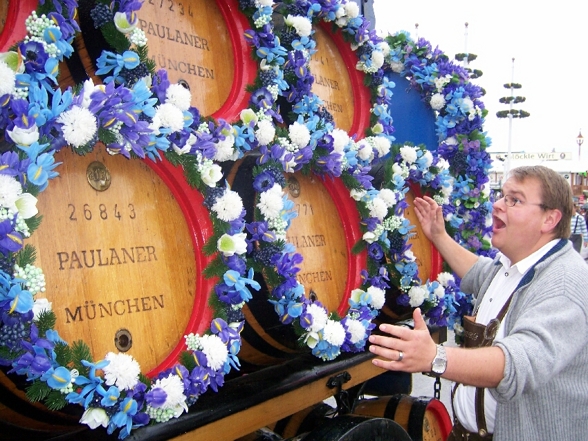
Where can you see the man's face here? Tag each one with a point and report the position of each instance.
(518, 229)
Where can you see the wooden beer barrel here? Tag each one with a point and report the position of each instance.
(338, 83)
(120, 248)
(324, 233)
(199, 43)
(424, 418)
(428, 258)
(357, 428)
(13, 14)
(304, 421)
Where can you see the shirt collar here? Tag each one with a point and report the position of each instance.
(524, 265)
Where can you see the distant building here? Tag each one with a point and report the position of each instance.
(567, 164)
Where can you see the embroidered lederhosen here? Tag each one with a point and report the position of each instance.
(477, 335)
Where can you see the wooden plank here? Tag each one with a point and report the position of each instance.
(249, 420)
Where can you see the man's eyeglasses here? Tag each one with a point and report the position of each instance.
(511, 201)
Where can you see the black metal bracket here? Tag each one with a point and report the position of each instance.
(341, 395)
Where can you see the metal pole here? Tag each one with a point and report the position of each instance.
(507, 163)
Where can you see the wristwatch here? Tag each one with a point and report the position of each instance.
(439, 363)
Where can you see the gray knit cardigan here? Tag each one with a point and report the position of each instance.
(544, 393)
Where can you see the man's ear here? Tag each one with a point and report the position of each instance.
(552, 218)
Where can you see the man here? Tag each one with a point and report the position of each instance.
(578, 226)
(533, 376)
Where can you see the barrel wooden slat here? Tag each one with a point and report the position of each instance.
(123, 262)
(338, 83)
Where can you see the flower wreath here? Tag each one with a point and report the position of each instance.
(311, 144)
(136, 113)
(460, 114)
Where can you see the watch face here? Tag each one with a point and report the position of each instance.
(439, 365)
(440, 361)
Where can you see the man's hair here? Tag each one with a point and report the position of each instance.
(556, 194)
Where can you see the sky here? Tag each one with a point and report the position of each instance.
(548, 41)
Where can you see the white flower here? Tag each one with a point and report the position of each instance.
(437, 101)
(40, 305)
(95, 417)
(417, 295)
(179, 96)
(334, 333)
(248, 115)
(409, 256)
(439, 291)
(383, 47)
(397, 66)
(428, 157)
(319, 317)
(79, 126)
(7, 79)
(302, 24)
(378, 208)
(365, 151)
(170, 116)
(442, 164)
(377, 297)
(24, 137)
(264, 2)
(486, 189)
(225, 150)
(26, 205)
(299, 134)
(122, 371)
(408, 153)
(444, 278)
(382, 145)
(230, 245)
(388, 196)
(173, 387)
(271, 202)
(356, 329)
(451, 141)
(123, 24)
(467, 105)
(357, 194)
(215, 350)
(87, 91)
(229, 206)
(211, 174)
(351, 9)
(10, 191)
(377, 59)
(265, 132)
(340, 140)
(369, 237)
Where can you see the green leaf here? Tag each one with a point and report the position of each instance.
(56, 400)
(115, 38)
(80, 351)
(38, 391)
(26, 256)
(46, 321)
(33, 223)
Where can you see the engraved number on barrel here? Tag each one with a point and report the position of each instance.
(123, 340)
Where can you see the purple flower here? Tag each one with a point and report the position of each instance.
(263, 182)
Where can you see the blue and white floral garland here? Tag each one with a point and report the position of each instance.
(44, 121)
(39, 119)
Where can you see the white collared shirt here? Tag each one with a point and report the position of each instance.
(500, 289)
